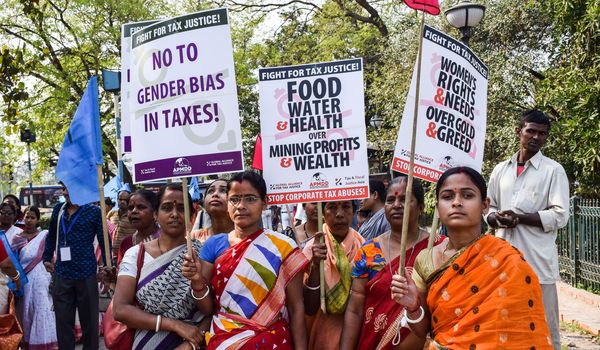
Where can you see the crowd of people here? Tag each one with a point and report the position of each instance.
(246, 286)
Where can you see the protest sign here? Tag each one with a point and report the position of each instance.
(452, 110)
(184, 106)
(126, 31)
(313, 132)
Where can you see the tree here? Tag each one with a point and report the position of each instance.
(58, 45)
(569, 90)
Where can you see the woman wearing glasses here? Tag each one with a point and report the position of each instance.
(255, 275)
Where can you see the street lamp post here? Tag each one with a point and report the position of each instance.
(463, 16)
(28, 136)
(111, 82)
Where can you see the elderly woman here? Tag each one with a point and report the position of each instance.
(255, 276)
(168, 311)
(341, 246)
(373, 320)
(473, 291)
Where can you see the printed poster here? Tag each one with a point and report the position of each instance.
(184, 105)
(312, 122)
(452, 110)
(126, 31)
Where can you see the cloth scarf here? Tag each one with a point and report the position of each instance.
(338, 269)
(249, 281)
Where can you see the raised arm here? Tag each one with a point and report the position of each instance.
(354, 314)
(124, 309)
(295, 306)
(315, 253)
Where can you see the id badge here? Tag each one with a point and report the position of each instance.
(65, 254)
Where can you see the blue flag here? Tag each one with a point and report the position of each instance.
(81, 150)
(193, 189)
(111, 189)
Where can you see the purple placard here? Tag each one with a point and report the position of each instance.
(127, 144)
(189, 166)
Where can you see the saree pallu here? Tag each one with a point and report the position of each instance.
(34, 309)
(337, 267)
(488, 297)
(249, 281)
(382, 315)
(326, 329)
(162, 290)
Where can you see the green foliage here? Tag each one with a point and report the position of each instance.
(570, 90)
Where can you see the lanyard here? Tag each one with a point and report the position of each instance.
(64, 226)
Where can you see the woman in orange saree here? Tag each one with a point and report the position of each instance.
(372, 319)
(478, 290)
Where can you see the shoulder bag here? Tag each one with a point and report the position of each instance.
(117, 335)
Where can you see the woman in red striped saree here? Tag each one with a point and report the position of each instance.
(255, 275)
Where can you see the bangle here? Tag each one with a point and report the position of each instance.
(158, 322)
(317, 287)
(192, 344)
(17, 277)
(419, 319)
(202, 297)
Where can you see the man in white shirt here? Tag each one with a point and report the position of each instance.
(529, 196)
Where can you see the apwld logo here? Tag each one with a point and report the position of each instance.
(182, 166)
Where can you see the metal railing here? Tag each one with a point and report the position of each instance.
(579, 245)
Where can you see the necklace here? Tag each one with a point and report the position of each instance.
(308, 236)
(148, 238)
(159, 248)
(459, 250)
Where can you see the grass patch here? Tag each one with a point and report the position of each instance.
(575, 327)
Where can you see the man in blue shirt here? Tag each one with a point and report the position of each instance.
(377, 223)
(74, 282)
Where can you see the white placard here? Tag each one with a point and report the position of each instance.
(314, 144)
(452, 110)
(184, 105)
(126, 31)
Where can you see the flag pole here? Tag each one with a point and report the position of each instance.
(409, 181)
(322, 263)
(186, 210)
(434, 227)
(107, 250)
